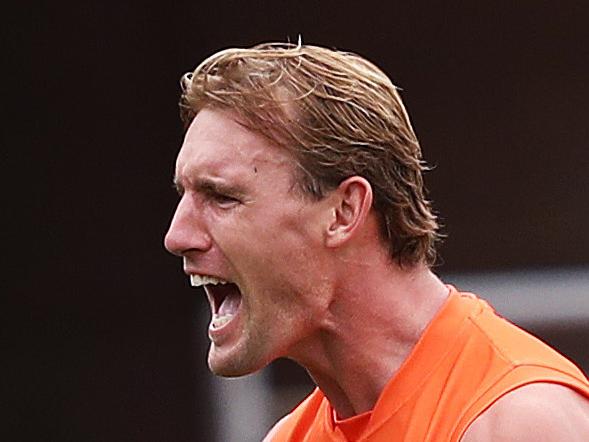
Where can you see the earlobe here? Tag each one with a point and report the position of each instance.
(351, 203)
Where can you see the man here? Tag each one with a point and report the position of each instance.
(303, 215)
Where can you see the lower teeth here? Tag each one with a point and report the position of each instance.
(219, 321)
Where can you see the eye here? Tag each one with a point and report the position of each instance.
(224, 201)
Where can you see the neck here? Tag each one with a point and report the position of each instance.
(368, 333)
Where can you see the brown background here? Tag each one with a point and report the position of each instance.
(101, 340)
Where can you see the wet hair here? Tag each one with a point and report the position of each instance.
(340, 116)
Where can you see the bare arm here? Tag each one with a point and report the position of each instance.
(540, 412)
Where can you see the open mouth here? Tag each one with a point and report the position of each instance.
(224, 298)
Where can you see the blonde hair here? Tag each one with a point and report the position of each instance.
(340, 116)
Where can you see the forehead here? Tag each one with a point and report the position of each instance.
(216, 143)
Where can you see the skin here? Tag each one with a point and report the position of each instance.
(309, 271)
(317, 284)
(238, 218)
(538, 412)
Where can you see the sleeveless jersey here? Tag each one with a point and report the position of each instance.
(467, 358)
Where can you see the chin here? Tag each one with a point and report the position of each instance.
(228, 371)
(231, 367)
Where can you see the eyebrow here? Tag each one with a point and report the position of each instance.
(209, 186)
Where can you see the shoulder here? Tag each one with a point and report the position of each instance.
(539, 412)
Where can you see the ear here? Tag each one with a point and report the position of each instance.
(351, 203)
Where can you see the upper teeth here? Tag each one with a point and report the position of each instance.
(198, 280)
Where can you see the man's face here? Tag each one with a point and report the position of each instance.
(241, 221)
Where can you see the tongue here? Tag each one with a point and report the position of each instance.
(231, 302)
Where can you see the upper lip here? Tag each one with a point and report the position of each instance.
(189, 272)
(210, 275)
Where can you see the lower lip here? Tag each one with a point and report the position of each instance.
(219, 335)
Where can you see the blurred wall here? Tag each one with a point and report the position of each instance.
(103, 338)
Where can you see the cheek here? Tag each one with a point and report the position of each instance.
(283, 241)
(225, 226)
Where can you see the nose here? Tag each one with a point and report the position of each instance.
(187, 231)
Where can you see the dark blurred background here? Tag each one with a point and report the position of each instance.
(102, 338)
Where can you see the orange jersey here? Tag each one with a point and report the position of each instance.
(467, 358)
